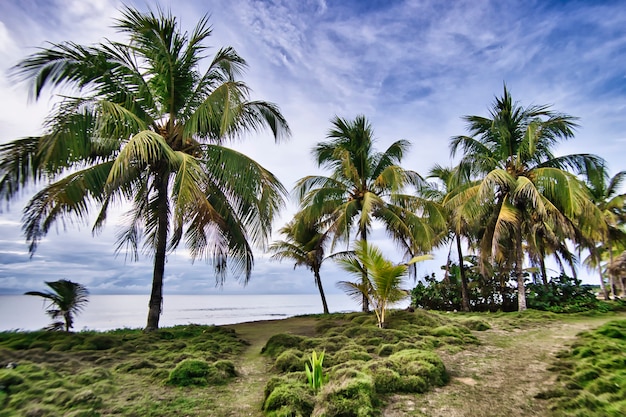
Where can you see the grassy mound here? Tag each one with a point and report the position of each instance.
(122, 372)
(364, 364)
(593, 374)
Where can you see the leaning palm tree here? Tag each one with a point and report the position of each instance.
(140, 123)
(384, 278)
(304, 243)
(367, 186)
(521, 177)
(65, 301)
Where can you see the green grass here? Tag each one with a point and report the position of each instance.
(592, 374)
(220, 371)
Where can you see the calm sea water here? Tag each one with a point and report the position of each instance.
(106, 312)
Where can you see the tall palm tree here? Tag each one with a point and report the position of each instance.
(450, 182)
(304, 243)
(140, 123)
(366, 185)
(65, 301)
(605, 194)
(383, 278)
(521, 177)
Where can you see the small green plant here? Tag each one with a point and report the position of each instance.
(315, 372)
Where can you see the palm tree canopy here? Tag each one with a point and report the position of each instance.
(365, 185)
(66, 299)
(521, 183)
(140, 122)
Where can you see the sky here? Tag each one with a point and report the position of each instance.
(413, 68)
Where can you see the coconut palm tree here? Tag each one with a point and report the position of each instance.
(366, 186)
(140, 123)
(304, 243)
(605, 194)
(383, 278)
(450, 182)
(65, 301)
(521, 177)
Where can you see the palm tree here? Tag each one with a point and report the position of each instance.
(611, 204)
(451, 182)
(383, 278)
(522, 181)
(144, 125)
(366, 185)
(66, 300)
(304, 243)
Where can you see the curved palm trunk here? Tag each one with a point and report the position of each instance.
(465, 302)
(318, 281)
(156, 295)
(519, 259)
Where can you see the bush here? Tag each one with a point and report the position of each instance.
(191, 372)
(290, 360)
(485, 294)
(287, 397)
(563, 295)
(281, 342)
(351, 394)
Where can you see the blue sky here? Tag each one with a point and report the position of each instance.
(413, 68)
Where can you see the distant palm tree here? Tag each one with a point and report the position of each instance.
(521, 180)
(365, 185)
(304, 243)
(384, 278)
(66, 300)
(605, 194)
(148, 128)
(450, 183)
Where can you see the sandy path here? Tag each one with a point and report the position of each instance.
(244, 396)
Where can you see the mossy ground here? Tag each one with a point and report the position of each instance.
(125, 372)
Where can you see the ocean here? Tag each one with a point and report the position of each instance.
(108, 312)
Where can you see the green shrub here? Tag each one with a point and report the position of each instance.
(348, 394)
(286, 397)
(290, 360)
(281, 342)
(189, 372)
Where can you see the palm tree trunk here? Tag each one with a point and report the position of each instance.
(611, 277)
(465, 302)
(519, 259)
(544, 272)
(318, 281)
(156, 295)
(366, 301)
(605, 293)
